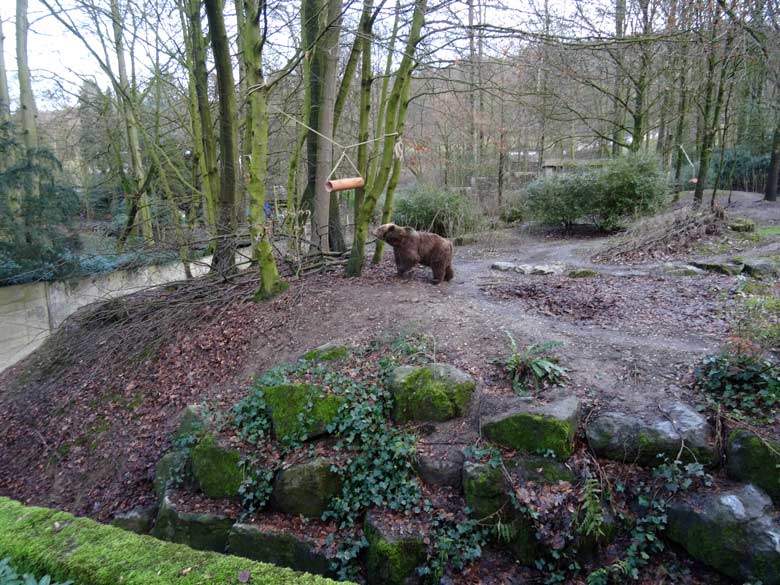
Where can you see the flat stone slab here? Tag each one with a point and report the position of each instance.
(536, 269)
(138, 520)
(278, 548)
(631, 438)
(735, 532)
(391, 559)
(536, 428)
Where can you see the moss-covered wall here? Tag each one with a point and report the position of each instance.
(56, 543)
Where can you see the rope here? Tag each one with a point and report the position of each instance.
(397, 149)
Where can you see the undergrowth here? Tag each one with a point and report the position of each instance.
(532, 368)
(9, 576)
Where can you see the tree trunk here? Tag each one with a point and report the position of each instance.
(394, 122)
(310, 14)
(29, 114)
(224, 262)
(209, 142)
(257, 119)
(126, 96)
(366, 34)
(618, 109)
(5, 100)
(324, 203)
(774, 166)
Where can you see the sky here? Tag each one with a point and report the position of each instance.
(54, 55)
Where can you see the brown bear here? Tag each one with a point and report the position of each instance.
(411, 248)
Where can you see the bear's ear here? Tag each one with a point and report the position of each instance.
(391, 227)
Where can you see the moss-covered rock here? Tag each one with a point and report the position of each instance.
(300, 411)
(435, 392)
(762, 267)
(582, 273)
(728, 268)
(172, 468)
(684, 270)
(192, 422)
(217, 469)
(391, 559)
(198, 531)
(330, 352)
(280, 549)
(540, 469)
(536, 428)
(742, 224)
(43, 541)
(485, 490)
(306, 488)
(753, 460)
(138, 520)
(735, 532)
(649, 439)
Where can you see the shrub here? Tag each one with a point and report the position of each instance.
(741, 169)
(624, 187)
(512, 210)
(429, 208)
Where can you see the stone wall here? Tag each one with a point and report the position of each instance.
(30, 312)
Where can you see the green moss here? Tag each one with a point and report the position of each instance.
(532, 433)
(300, 410)
(278, 288)
(327, 353)
(752, 460)
(541, 469)
(196, 530)
(56, 543)
(484, 490)
(392, 561)
(192, 422)
(217, 469)
(742, 224)
(768, 231)
(421, 394)
(582, 273)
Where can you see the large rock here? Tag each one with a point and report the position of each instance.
(198, 531)
(762, 267)
(306, 488)
(435, 392)
(729, 268)
(536, 428)
(300, 411)
(539, 470)
(443, 466)
(648, 441)
(217, 469)
(753, 460)
(391, 559)
(328, 352)
(735, 532)
(173, 468)
(486, 492)
(278, 548)
(138, 520)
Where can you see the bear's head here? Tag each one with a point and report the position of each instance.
(391, 233)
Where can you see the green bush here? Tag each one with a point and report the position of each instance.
(624, 187)
(429, 208)
(741, 169)
(512, 210)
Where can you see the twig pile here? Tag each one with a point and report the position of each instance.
(663, 236)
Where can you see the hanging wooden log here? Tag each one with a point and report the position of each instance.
(345, 184)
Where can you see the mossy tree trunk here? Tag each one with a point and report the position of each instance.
(257, 119)
(224, 262)
(29, 115)
(774, 165)
(366, 80)
(394, 121)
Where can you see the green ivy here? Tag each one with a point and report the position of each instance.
(8, 576)
(456, 543)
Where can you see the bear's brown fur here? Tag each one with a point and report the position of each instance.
(411, 248)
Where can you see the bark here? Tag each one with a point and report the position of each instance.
(227, 218)
(257, 120)
(29, 116)
(774, 166)
(394, 122)
(365, 107)
(127, 94)
(618, 110)
(208, 139)
(5, 101)
(311, 29)
(325, 219)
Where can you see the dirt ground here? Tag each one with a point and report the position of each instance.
(87, 442)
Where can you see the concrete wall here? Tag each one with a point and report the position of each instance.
(30, 312)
